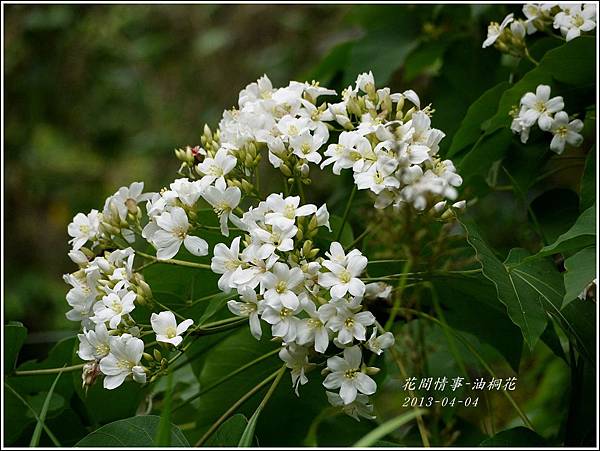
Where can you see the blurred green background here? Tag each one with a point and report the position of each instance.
(99, 96)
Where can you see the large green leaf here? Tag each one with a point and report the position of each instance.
(470, 127)
(581, 270)
(14, 337)
(522, 300)
(488, 149)
(582, 234)
(229, 433)
(473, 307)
(516, 438)
(135, 431)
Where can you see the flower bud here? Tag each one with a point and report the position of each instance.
(371, 370)
(91, 372)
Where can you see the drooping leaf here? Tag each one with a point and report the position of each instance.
(581, 270)
(14, 337)
(523, 302)
(135, 431)
(515, 437)
(580, 235)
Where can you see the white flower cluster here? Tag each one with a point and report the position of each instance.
(392, 151)
(172, 212)
(571, 19)
(105, 291)
(538, 108)
(308, 301)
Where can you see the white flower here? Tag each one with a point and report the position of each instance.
(343, 279)
(113, 307)
(565, 132)
(572, 20)
(312, 329)
(337, 255)
(348, 150)
(323, 217)
(84, 228)
(365, 81)
(494, 30)
(166, 328)
(125, 200)
(296, 358)
(94, 344)
(347, 376)
(217, 167)
(360, 407)
(124, 359)
(224, 201)
(378, 177)
(285, 324)
(540, 107)
(280, 284)
(187, 192)
(377, 344)
(250, 307)
(379, 290)
(173, 230)
(279, 238)
(284, 211)
(81, 299)
(225, 261)
(306, 146)
(350, 325)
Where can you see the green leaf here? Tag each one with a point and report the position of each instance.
(578, 319)
(488, 149)
(473, 307)
(37, 432)
(424, 59)
(523, 302)
(62, 353)
(551, 339)
(516, 438)
(470, 127)
(388, 427)
(14, 337)
(580, 235)
(587, 190)
(135, 431)
(581, 270)
(229, 433)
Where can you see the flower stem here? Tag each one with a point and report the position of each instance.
(43, 371)
(401, 286)
(227, 377)
(346, 212)
(174, 262)
(235, 406)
